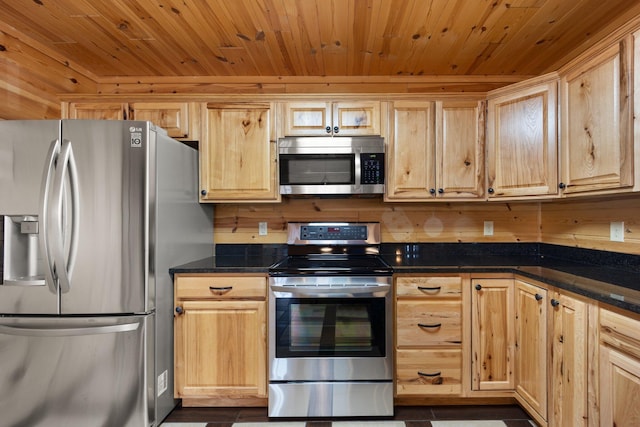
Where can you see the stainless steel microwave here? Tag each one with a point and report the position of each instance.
(331, 165)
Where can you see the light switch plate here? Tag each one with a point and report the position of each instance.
(617, 231)
(262, 228)
(488, 228)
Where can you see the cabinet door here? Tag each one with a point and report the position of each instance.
(411, 151)
(221, 349)
(531, 346)
(619, 388)
(459, 149)
(331, 118)
(238, 154)
(492, 335)
(356, 118)
(174, 117)
(569, 362)
(597, 139)
(522, 141)
(307, 118)
(97, 110)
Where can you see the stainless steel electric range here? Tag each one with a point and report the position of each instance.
(330, 324)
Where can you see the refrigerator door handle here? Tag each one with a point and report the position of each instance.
(66, 332)
(45, 208)
(64, 267)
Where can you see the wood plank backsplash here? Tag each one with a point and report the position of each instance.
(585, 223)
(579, 223)
(401, 222)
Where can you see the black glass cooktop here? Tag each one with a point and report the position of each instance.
(331, 264)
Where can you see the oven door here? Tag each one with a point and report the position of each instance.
(332, 334)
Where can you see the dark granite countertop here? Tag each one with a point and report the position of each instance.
(612, 278)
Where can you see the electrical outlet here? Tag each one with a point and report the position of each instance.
(488, 228)
(617, 231)
(262, 228)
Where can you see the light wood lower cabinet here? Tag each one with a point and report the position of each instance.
(220, 340)
(492, 334)
(569, 371)
(531, 346)
(428, 336)
(619, 370)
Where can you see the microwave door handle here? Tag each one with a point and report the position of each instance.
(358, 171)
(63, 267)
(45, 211)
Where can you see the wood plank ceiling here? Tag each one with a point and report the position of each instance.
(125, 38)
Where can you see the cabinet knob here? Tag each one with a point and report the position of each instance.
(491, 190)
(179, 310)
(336, 129)
(538, 297)
(203, 192)
(328, 129)
(432, 191)
(562, 186)
(440, 190)
(555, 302)
(478, 287)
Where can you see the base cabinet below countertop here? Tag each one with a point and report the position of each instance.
(221, 340)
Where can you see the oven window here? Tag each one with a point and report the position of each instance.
(317, 169)
(307, 327)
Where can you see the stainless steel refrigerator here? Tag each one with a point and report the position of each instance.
(93, 214)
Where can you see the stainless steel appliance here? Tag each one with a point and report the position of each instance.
(93, 213)
(330, 324)
(331, 165)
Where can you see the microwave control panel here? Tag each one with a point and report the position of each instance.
(372, 167)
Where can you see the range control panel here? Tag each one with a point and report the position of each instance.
(333, 232)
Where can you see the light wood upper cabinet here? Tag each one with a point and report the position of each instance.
(95, 110)
(319, 118)
(238, 153)
(181, 120)
(435, 150)
(522, 140)
(531, 346)
(492, 334)
(220, 340)
(597, 137)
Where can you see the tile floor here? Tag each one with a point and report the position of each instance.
(404, 416)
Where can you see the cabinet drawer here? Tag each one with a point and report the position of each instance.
(220, 287)
(620, 331)
(428, 372)
(426, 324)
(431, 287)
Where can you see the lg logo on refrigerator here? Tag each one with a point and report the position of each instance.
(135, 137)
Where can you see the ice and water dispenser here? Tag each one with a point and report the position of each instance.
(21, 262)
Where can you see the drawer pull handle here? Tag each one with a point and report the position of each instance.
(424, 288)
(431, 326)
(424, 374)
(220, 289)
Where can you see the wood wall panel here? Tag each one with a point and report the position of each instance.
(401, 222)
(586, 223)
(577, 223)
(32, 79)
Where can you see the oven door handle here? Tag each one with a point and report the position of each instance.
(336, 292)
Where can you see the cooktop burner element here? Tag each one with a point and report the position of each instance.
(332, 249)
